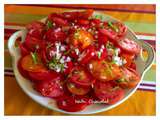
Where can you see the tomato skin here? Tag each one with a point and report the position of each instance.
(36, 29)
(33, 43)
(104, 71)
(80, 76)
(107, 92)
(54, 35)
(24, 51)
(77, 90)
(129, 46)
(69, 104)
(130, 78)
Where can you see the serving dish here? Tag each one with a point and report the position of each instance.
(142, 67)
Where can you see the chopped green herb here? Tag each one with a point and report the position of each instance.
(120, 80)
(49, 24)
(67, 52)
(98, 17)
(76, 34)
(34, 57)
(99, 54)
(49, 45)
(113, 26)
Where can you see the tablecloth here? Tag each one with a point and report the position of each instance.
(140, 18)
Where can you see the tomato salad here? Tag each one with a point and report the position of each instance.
(76, 58)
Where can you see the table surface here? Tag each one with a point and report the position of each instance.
(140, 18)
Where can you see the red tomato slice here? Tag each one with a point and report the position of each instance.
(50, 88)
(80, 76)
(54, 35)
(28, 64)
(77, 90)
(114, 34)
(129, 46)
(130, 78)
(87, 55)
(77, 15)
(24, 51)
(104, 71)
(107, 92)
(45, 75)
(72, 104)
(33, 43)
(36, 29)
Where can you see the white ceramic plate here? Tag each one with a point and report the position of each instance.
(26, 85)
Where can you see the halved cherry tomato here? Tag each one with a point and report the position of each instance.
(129, 46)
(33, 43)
(51, 88)
(72, 104)
(80, 76)
(107, 92)
(24, 51)
(104, 71)
(129, 79)
(87, 55)
(76, 89)
(81, 38)
(54, 35)
(28, 64)
(36, 29)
